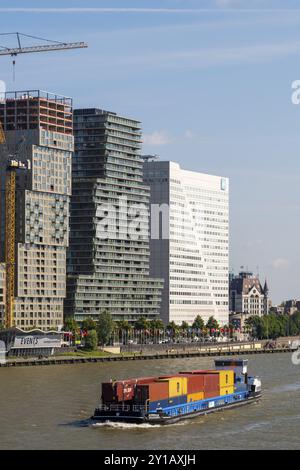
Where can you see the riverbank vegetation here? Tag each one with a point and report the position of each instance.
(106, 331)
(273, 326)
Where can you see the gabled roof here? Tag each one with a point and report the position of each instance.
(245, 285)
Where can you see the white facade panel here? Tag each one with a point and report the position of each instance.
(194, 260)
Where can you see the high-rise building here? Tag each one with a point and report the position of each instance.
(108, 257)
(38, 128)
(248, 296)
(190, 249)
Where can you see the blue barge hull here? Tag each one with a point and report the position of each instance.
(175, 413)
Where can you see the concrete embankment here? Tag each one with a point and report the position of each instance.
(174, 351)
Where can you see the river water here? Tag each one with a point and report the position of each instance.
(46, 408)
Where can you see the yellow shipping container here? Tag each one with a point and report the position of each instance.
(227, 390)
(177, 386)
(226, 377)
(195, 396)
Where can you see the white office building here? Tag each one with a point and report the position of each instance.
(190, 249)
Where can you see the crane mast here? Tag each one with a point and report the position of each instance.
(10, 222)
(10, 235)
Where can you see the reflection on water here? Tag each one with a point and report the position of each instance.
(49, 408)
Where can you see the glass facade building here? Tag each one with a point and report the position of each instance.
(108, 258)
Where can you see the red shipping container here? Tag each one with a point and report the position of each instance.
(212, 393)
(152, 391)
(211, 382)
(125, 390)
(210, 379)
(200, 371)
(195, 382)
(122, 390)
(145, 380)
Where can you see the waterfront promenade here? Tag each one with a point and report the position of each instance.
(151, 352)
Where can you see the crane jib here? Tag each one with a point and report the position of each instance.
(55, 47)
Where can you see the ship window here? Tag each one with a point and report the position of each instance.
(227, 378)
(178, 387)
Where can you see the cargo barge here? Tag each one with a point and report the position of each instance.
(171, 398)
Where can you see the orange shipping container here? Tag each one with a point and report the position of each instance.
(195, 383)
(177, 385)
(152, 391)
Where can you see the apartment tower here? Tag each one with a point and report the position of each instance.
(38, 129)
(108, 258)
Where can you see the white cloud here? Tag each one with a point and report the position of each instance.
(280, 263)
(105, 10)
(157, 138)
(188, 134)
(219, 5)
(252, 244)
(229, 3)
(208, 57)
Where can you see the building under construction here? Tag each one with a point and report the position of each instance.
(38, 131)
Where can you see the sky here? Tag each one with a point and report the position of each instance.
(211, 82)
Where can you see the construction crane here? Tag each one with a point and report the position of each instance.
(21, 49)
(2, 135)
(10, 229)
(52, 46)
(13, 165)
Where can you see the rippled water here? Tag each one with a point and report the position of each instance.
(48, 408)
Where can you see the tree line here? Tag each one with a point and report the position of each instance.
(102, 330)
(273, 326)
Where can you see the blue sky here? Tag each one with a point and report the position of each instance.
(210, 81)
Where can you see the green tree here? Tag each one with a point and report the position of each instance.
(295, 322)
(123, 325)
(88, 324)
(105, 327)
(231, 328)
(157, 324)
(156, 327)
(173, 328)
(212, 324)
(198, 323)
(71, 325)
(124, 329)
(91, 340)
(142, 324)
(256, 327)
